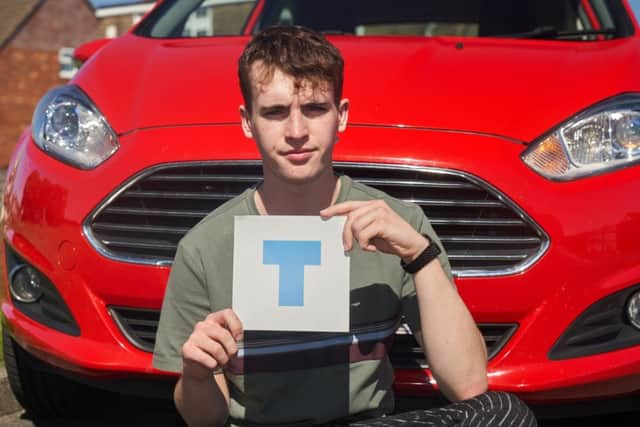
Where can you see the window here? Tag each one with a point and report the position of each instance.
(199, 23)
(537, 19)
(197, 18)
(635, 6)
(217, 17)
(111, 31)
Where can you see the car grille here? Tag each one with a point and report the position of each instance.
(139, 327)
(406, 353)
(483, 232)
(602, 327)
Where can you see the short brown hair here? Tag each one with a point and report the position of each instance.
(299, 52)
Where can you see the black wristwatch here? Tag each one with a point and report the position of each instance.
(428, 255)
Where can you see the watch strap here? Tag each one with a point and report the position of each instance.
(425, 257)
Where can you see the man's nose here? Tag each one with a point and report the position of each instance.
(296, 125)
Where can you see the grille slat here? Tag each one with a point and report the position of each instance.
(147, 336)
(466, 203)
(135, 323)
(157, 212)
(594, 335)
(506, 256)
(476, 222)
(381, 183)
(205, 178)
(143, 228)
(177, 195)
(603, 317)
(491, 240)
(483, 233)
(121, 243)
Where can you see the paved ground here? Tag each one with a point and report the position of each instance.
(140, 412)
(7, 403)
(128, 413)
(153, 417)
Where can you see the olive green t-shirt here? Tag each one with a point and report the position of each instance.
(291, 377)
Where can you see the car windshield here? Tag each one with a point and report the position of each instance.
(544, 19)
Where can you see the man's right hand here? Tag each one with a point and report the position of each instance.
(212, 344)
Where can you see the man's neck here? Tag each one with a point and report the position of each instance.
(275, 197)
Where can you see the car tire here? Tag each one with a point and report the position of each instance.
(45, 394)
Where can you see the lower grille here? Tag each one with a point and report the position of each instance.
(406, 353)
(50, 309)
(139, 327)
(601, 328)
(481, 230)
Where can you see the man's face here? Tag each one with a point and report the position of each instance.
(295, 128)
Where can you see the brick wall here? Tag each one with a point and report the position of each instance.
(58, 23)
(29, 62)
(26, 75)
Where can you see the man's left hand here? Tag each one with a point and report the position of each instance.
(377, 227)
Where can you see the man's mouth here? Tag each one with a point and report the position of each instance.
(298, 156)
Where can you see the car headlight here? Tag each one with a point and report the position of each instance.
(603, 138)
(67, 125)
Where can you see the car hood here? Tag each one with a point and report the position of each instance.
(518, 89)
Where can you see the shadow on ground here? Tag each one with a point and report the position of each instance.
(125, 413)
(144, 412)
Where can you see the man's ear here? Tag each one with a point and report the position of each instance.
(245, 120)
(343, 114)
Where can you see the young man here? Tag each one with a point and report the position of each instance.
(291, 80)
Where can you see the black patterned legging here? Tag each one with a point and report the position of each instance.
(486, 410)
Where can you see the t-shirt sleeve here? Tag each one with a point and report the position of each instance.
(186, 302)
(409, 299)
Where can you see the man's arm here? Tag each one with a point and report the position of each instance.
(202, 402)
(194, 342)
(452, 343)
(450, 339)
(201, 397)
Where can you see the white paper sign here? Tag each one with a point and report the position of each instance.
(290, 273)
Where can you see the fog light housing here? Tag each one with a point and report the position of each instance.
(25, 284)
(633, 309)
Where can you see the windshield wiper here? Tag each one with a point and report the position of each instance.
(548, 32)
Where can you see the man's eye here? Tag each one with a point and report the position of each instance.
(275, 114)
(314, 110)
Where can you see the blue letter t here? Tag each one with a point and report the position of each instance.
(291, 256)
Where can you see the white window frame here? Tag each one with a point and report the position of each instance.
(65, 60)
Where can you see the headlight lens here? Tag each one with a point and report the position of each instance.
(67, 125)
(602, 138)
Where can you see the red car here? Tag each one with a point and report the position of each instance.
(515, 125)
